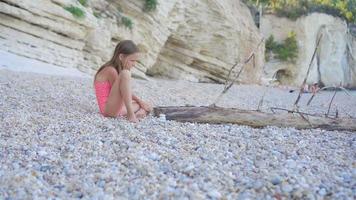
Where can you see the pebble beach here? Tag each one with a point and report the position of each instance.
(54, 144)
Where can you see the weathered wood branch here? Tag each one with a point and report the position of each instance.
(257, 119)
(331, 101)
(230, 82)
(308, 71)
(325, 88)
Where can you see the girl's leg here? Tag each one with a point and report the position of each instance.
(142, 112)
(120, 95)
(135, 105)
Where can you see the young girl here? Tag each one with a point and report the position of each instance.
(112, 85)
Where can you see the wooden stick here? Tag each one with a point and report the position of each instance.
(308, 71)
(327, 114)
(228, 85)
(311, 98)
(261, 101)
(324, 88)
(294, 111)
(306, 119)
(337, 113)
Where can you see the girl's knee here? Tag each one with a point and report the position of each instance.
(125, 73)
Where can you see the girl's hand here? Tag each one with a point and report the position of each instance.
(126, 66)
(146, 106)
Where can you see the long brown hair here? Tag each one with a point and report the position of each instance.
(125, 47)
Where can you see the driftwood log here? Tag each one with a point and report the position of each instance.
(257, 119)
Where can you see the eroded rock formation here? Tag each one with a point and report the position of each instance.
(196, 40)
(335, 59)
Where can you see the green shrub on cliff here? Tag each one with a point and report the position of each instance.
(285, 51)
(150, 5)
(293, 9)
(127, 22)
(83, 2)
(76, 12)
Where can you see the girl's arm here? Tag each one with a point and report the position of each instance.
(144, 105)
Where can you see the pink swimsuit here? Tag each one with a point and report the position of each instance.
(102, 91)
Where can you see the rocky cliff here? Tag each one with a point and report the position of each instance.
(335, 61)
(198, 40)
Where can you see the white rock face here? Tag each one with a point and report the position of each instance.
(44, 30)
(204, 48)
(334, 63)
(351, 56)
(197, 40)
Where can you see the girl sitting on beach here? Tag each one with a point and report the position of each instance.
(112, 84)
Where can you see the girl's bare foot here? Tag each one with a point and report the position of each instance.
(141, 113)
(132, 118)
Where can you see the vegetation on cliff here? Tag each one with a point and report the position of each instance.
(293, 9)
(76, 12)
(285, 51)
